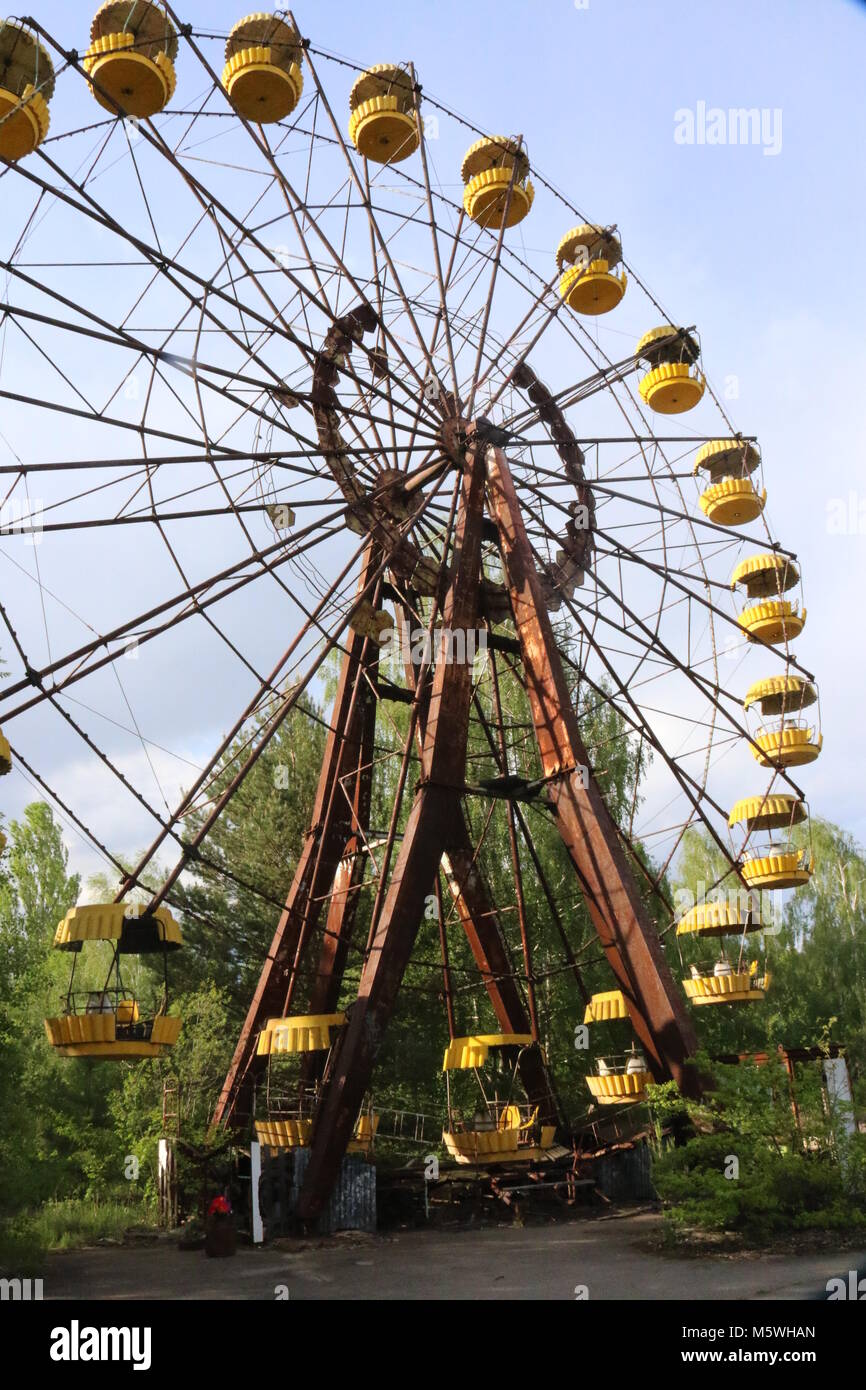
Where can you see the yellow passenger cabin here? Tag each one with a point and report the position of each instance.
(26, 89)
(784, 738)
(488, 1123)
(730, 497)
(673, 383)
(589, 260)
(262, 74)
(383, 125)
(496, 181)
(105, 1020)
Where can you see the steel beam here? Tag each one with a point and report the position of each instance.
(425, 839)
(481, 923)
(625, 928)
(483, 929)
(330, 831)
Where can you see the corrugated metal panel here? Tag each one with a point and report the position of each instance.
(353, 1201)
(626, 1174)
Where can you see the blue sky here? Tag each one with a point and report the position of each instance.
(763, 252)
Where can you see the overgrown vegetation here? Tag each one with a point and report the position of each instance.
(764, 1159)
(70, 1128)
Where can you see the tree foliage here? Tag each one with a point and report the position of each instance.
(71, 1126)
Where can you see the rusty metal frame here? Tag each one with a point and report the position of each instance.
(331, 832)
(625, 928)
(424, 841)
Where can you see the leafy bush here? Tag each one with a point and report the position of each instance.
(749, 1167)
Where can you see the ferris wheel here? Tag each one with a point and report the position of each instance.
(281, 381)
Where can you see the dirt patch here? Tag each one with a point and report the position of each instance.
(691, 1243)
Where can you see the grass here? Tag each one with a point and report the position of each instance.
(21, 1255)
(27, 1238)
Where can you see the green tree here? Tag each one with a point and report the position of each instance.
(815, 949)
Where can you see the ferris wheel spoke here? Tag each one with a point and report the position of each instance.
(488, 303)
(272, 457)
(370, 581)
(336, 258)
(653, 643)
(152, 517)
(381, 349)
(548, 318)
(727, 534)
(380, 239)
(678, 583)
(442, 280)
(196, 596)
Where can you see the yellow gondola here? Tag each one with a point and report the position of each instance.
(727, 985)
(737, 914)
(262, 75)
(495, 175)
(383, 125)
(787, 740)
(498, 1131)
(673, 384)
(768, 617)
(288, 1124)
(773, 864)
(291, 1101)
(619, 1079)
(726, 917)
(731, 498)
(770, 812)
(26, 88)
(130, 61)
(777, 865)
(602, 1008)
(107, 1022)
(5, 755)
(590, 284)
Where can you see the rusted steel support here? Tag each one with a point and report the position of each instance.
(625, 928)
(533, 854)
(316, 869)
(426, 837)
(483, 929)
(343, 904)
(482, 925)
(446, 964)
(515, 857)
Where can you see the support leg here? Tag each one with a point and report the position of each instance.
(625, 928)
(424, 841)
